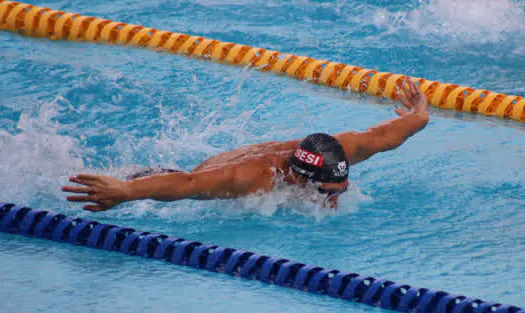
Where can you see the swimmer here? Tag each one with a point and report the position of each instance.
(319, 160)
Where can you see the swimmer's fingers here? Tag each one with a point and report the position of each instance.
(76, 189)
(407, 95)
(94, 208)
(405, 102)
(86, 179)
(89, 176)
(102, 205)
(414, 90)
(85, 182)
(80, 198)
(420, 97)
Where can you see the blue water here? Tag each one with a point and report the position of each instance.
(444, 211)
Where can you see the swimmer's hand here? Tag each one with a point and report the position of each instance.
(105, 191)
(413, 99)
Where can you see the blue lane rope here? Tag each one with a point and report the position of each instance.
(283, 272)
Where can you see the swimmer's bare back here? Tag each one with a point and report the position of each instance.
(265, 150)
(251, 168)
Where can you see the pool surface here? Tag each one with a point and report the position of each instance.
(443, 211)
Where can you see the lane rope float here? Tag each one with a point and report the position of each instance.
(279, 271)
(30, 20)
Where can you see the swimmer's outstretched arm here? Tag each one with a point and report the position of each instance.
(221, 183)
(391, 134)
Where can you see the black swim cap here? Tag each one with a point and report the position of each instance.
(320, 157)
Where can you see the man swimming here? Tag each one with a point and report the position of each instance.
(318, 160)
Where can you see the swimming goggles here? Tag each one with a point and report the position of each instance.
(332, 192)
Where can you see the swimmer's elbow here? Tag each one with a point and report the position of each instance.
(173, 187)
(392, 134)
(374, 141)
(382, 140)
(391, 143)
(197, 186)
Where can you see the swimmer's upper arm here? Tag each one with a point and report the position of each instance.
(221, 182)
(228, 181)
(360, 146)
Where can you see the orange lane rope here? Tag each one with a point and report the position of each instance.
(36, 21)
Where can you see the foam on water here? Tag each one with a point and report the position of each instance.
(33, 157)
(473, 21)
(44, 152)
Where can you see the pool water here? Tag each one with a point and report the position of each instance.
(443, 211)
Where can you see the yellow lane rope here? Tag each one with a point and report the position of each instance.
(35, 21)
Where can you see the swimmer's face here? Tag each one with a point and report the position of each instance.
(333, 188)
(331, 191)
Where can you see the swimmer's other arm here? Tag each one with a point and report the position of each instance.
(221, 183)
(393, 133)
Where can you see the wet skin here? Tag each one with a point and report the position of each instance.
(252, 168)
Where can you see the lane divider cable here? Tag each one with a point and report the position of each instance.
(34, 21)
(348, 286)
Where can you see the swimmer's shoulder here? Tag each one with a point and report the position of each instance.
(350, 142)
(266, 154)
(273, 146)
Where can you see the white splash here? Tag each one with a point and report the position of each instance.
(478, 21)
(35, 161)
